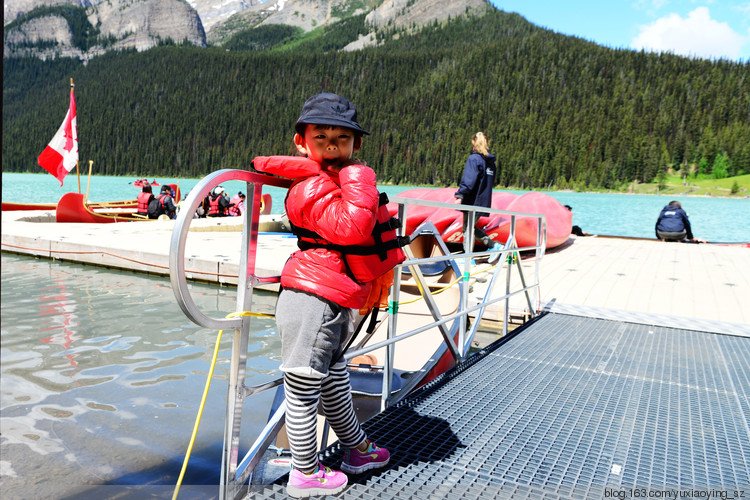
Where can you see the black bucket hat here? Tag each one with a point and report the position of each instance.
(328, 109)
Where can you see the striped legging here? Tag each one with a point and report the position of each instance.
(302, 394)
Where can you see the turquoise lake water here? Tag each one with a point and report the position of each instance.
(713, 219)
(101, 375)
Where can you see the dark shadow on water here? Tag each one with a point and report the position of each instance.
(201, 480)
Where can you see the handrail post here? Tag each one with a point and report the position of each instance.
(228, 487)
(464, 296)
(541, 243)
(511, 254)
(392, 321)
(238, 361)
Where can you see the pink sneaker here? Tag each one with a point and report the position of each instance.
(324, 481)
(357, 462)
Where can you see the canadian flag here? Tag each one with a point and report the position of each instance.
(61, 154)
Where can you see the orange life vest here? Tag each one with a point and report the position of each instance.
(213, 206)
(143, 199)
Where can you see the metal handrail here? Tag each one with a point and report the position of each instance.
(229, 488)
(234, 475)
(247, 257)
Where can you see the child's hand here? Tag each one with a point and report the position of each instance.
(381, 287)
(338, 165)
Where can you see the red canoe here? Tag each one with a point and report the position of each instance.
(415, 215)
(559, 221)
(449, 221)
(454, 233)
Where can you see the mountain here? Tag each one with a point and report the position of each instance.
(308, 15)
(85, 30)
(213, 12)
(305, 15)
(12, 9)
(88, 28)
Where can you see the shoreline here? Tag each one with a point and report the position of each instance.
(743, 194)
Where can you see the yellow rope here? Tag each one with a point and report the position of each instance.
(205, 395)
(444, 288)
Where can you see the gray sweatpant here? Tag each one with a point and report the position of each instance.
(313, 332)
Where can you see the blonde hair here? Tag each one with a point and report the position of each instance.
(480, 143)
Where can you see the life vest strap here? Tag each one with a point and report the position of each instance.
(383, 248)
(308, 239)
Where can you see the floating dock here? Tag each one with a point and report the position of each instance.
(688, 285)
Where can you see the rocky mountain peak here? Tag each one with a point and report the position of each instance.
(141, 24)
(45, 29)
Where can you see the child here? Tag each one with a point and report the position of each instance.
(332, 203)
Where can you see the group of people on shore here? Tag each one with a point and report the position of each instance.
(216, 204)
(152, 206)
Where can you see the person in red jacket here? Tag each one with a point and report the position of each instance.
(218, 204)
(144, 197)
(335, 199)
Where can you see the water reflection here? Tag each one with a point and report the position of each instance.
(102, 375)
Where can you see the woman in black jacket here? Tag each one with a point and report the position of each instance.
(476, 187)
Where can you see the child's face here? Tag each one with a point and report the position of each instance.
(328, 145)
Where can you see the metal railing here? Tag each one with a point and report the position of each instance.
(235, 473)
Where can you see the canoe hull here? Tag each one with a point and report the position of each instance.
(449, 222)
(454, 233)
(559, 221)
(416, 215)
(11, 206)
(72, 207)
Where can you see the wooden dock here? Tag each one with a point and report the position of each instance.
(705, 283)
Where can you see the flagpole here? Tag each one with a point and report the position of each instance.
(91, 162)
(78, 172)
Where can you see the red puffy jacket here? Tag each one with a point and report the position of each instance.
(340, 207)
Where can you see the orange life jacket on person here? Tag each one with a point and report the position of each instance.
(143, 199)
(213, 206)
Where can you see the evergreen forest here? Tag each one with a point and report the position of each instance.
(561, 112)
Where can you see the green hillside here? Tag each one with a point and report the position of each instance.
(561, 112)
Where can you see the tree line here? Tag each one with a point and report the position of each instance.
(560, 112)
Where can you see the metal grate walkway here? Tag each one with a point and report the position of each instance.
(571, 407)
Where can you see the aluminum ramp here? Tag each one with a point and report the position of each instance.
(571, 407)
